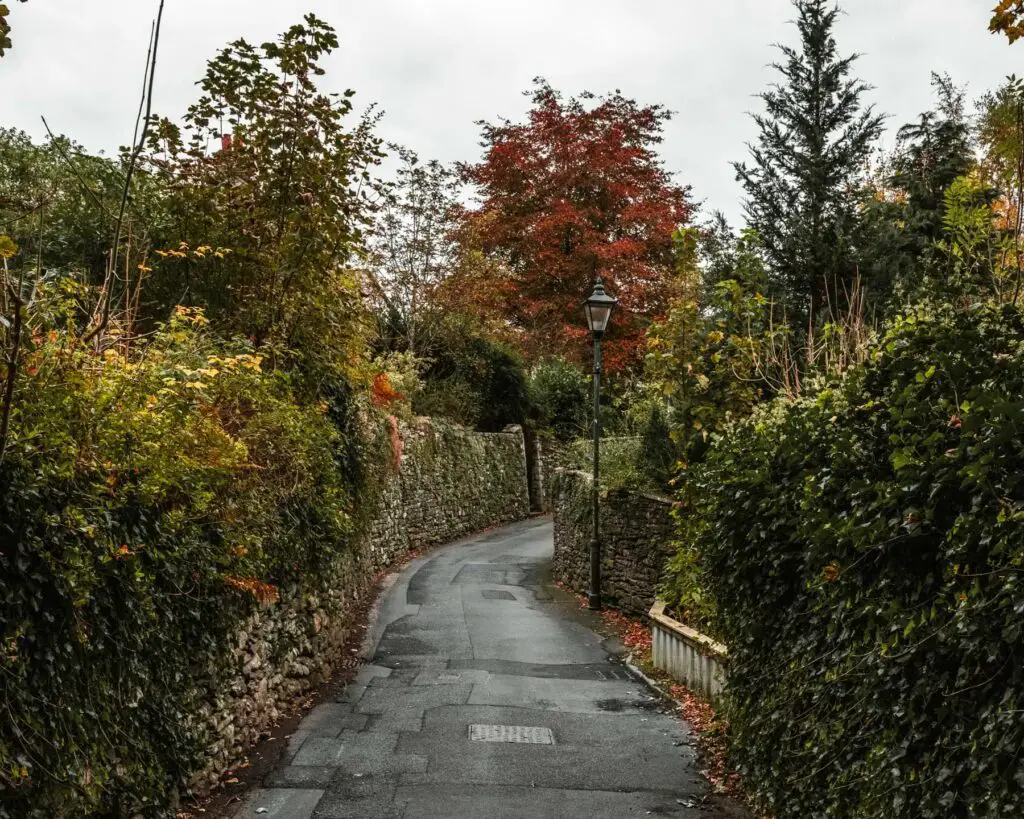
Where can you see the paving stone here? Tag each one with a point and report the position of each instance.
(294, 744)
(359, 797)
(354, 690)
(280, 803)
(301, 776)
(397, 721)
(383, 701)
(359, 753)
(418, 661)
(337, 751)
(379, 807)
(330, 719)
(447, 676)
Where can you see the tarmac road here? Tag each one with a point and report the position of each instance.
(488, 695)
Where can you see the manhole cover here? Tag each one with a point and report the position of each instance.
(511, 733)
(495, 594)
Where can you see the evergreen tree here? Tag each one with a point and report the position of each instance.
(814, 143)
(906, 206)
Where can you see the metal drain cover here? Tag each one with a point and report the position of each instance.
(511, 733)
(495, 594)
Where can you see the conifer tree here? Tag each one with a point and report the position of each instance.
(905, 206)
(814, 142)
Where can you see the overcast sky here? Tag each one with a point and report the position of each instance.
(437, 66)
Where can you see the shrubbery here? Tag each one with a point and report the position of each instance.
(560, 392)
(472, 379)
(864, 543)
(148, 498)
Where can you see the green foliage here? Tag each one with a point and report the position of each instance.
(148, 498)
(620, 457)
(706, 356)
(285, 192)
(658, 456)
(5, 28)
(561, 393)
(863, 545)
(59, 203)
(412, 245)
(906, 205)
(471, 379)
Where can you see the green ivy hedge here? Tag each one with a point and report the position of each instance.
(148, 499)
(865, 545)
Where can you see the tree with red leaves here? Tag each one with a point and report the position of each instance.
(576, 191)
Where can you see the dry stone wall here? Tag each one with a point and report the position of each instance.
(636, 536)
(447, 482)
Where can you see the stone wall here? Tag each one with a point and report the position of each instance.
(553, 455)
(455, 481)
(636, 536)
(449, 482)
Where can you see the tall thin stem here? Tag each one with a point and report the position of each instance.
(148, 80)
(595, 545)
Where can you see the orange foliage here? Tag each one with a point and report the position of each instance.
(264, 593)
(382, 393)
(396, 442)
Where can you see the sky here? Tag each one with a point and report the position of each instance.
(436, 67)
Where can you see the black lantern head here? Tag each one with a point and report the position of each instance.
(599, 309)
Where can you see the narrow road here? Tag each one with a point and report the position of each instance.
(488, 696)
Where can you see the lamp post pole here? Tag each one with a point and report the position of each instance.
(599, 312)
(594, 597)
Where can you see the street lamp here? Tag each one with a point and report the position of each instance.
(599, 311)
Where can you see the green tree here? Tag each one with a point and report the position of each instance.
(60, 205)
(472, 379)
(412, 245)
(269, 167)
(814, 141)
(560, 392)
(5, 28)
(906, 207)
(1001, 140)
(705, 355)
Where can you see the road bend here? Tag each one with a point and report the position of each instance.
(489, 694)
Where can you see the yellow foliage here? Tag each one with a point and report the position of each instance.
(7, 247)
(1008, 19)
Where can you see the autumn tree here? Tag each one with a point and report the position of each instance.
(575, 191)
(814, 141)
(1008, 19)
(1001, 170)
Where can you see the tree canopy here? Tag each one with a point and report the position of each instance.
(577, 191)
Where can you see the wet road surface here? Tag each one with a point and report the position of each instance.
(487, 696)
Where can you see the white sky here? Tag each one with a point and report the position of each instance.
(436, 67)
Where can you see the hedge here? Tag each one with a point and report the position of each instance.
(148, 498)
(865, 546)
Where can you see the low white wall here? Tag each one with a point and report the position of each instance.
(693, 658)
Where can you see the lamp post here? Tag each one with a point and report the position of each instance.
(599, 312)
